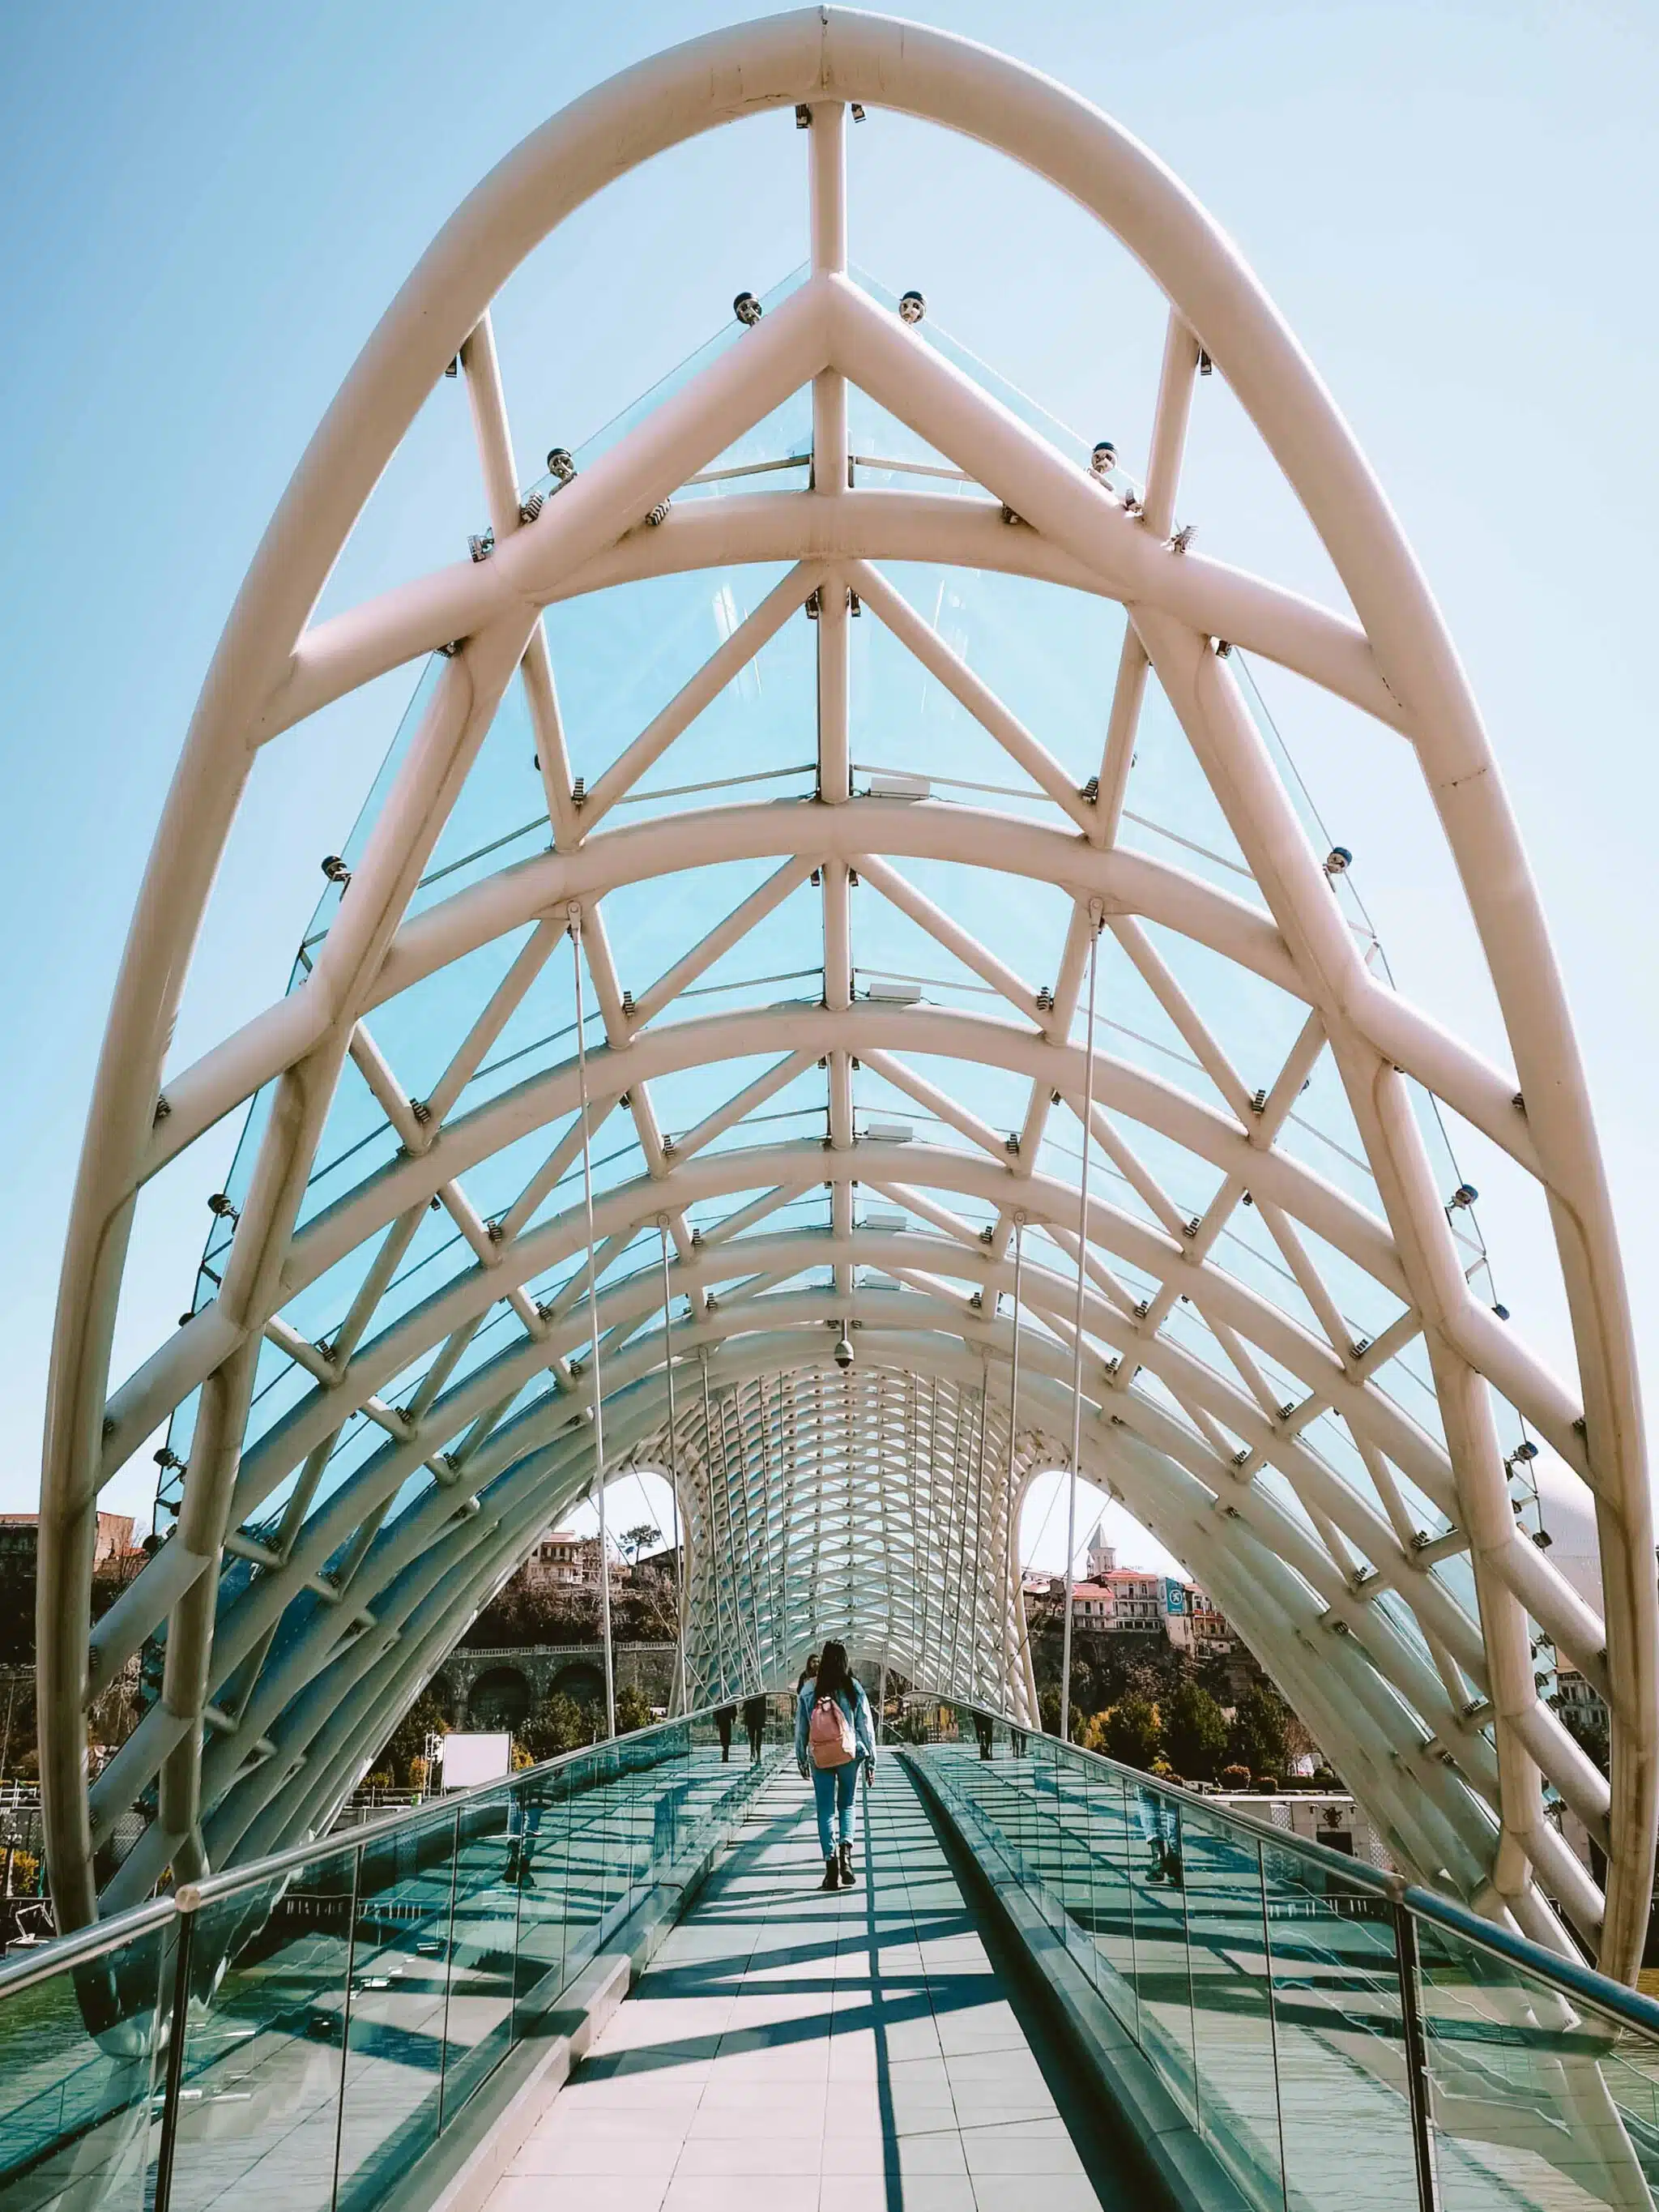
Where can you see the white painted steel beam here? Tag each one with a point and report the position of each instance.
(882, 1504)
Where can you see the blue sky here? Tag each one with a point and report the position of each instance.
(208, 210)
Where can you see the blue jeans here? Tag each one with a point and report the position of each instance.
(835, 1794)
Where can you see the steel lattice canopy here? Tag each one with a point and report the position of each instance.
(782, 721)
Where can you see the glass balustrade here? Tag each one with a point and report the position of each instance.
(1335, 2037)
(310, 2025)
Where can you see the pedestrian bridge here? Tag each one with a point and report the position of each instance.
(616, 1981)
(839, 995)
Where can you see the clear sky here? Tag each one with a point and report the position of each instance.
(207, 210)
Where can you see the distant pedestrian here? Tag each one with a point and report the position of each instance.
(806, 1674)
(723, 1721)
(754, 1719)
(834, 1736)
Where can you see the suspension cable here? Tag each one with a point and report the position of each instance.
(974, 1682)
(1011, 1533)
(574, 912)
(681, 1566)
(1096, 917)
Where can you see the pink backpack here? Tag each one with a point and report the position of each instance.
(829, 1734)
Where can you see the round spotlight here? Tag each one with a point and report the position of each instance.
(843, 1351)
(912, 308)
(1338, 860)
(560, 464)
(747, 309)
(1527, 1450)
(1104, 459)
(1465, 1195)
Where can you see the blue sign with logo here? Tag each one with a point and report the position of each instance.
(1175, 1596)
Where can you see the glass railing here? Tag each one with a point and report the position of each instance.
(310, 2025)
(1337, 2037)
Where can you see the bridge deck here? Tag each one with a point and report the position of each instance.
(801, 2052)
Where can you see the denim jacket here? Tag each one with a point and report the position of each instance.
(857, 1710)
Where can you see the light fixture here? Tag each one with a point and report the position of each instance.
(1338, 860)
(336, 870)
(482, 545)
(1501, 1311)
(886, 992)
(170, 1460)
(1528, 1450)
(803, 116)
(884, 1217)
(889, 784)
(887, 1132)
(1465, 1195)
(912, 308)
(219, 1204)
(747, 309)
(1104, 459)
(843, 1351)
(857, 113)
(560, 464)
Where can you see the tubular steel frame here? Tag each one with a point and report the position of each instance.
(1441, 1730)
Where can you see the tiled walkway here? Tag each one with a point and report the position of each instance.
(790, 2052)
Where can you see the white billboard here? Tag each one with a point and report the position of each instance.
(472, 1758)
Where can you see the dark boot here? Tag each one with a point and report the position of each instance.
(831, 1873)
(849, 1879)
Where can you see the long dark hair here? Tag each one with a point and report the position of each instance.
(835, 1675)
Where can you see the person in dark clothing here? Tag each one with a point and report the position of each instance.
(723, 1720)
(754, 1719)
(806, 1674)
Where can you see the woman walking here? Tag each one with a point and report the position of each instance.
(834, 1737)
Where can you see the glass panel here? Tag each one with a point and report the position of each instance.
(1232, 2005)
(1115, 1850)
(79, 2068)
(260, 2095)
(1338, 2032)
(1526, 2106)
(1076, 1857)
(537, 1867)
(1163, 1976)
(400, 1990)
(478, 2026)
(580, 1846)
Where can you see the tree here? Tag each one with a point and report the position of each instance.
(633, 1711)
(1129, 1732)
(558, 1724)
(1194, 1732)
(1257, 1739)
(407, 1741)
(1048, 1710)
(635, 1540)
(1589, 1732)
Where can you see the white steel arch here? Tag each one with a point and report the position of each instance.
(1288, 1366)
